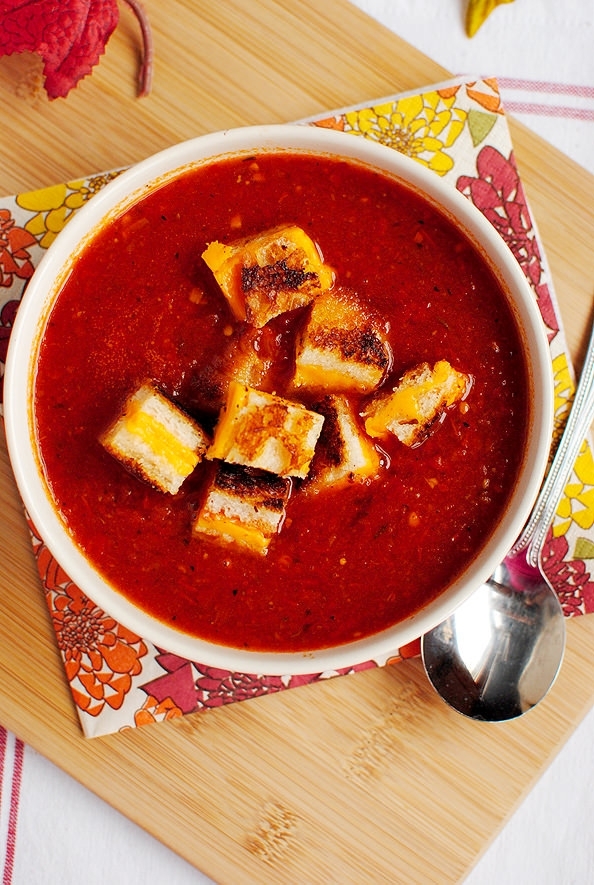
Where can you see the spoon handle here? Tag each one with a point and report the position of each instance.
(578, 423)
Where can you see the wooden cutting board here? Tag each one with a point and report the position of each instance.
(368, 778)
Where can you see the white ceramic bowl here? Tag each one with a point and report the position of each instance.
(43, 288)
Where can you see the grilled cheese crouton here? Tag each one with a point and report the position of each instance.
(263, 430)
(244, 506)
(155, 440)
(344, 453)
(342, 348)
(420, 398)
(269, 274)
(249, 357)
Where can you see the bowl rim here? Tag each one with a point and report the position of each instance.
(127, 188)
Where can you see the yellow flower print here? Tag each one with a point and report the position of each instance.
(564, 390)
(53, 207)
(422, 127)
(577, 504)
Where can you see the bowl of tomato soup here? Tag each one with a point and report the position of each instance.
(367, 538)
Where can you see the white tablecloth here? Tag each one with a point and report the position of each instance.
(55, 832)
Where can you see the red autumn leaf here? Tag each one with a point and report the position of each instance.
(69, 35)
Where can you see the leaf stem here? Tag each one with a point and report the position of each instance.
(145, 75)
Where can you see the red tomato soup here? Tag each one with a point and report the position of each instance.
(141, 304)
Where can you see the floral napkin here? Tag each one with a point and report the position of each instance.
(457, 129)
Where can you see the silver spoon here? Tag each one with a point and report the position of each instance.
(499, 653)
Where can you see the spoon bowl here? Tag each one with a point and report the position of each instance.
(498, 654)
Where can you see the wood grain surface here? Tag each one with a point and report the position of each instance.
(368, 778)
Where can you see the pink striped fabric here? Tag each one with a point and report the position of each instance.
(11, 769)
(546, 86)
(569, 113)
(540, 97)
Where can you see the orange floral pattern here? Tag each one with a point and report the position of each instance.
(101, 657)
(15, 255)
(486, 94)
(155, 711)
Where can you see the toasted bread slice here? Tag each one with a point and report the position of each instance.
(244, 506)
(265, 431)
(342, 348)
(250, 357)
(269, 274)
(155, 440)
(416, 403)
(344, 453)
